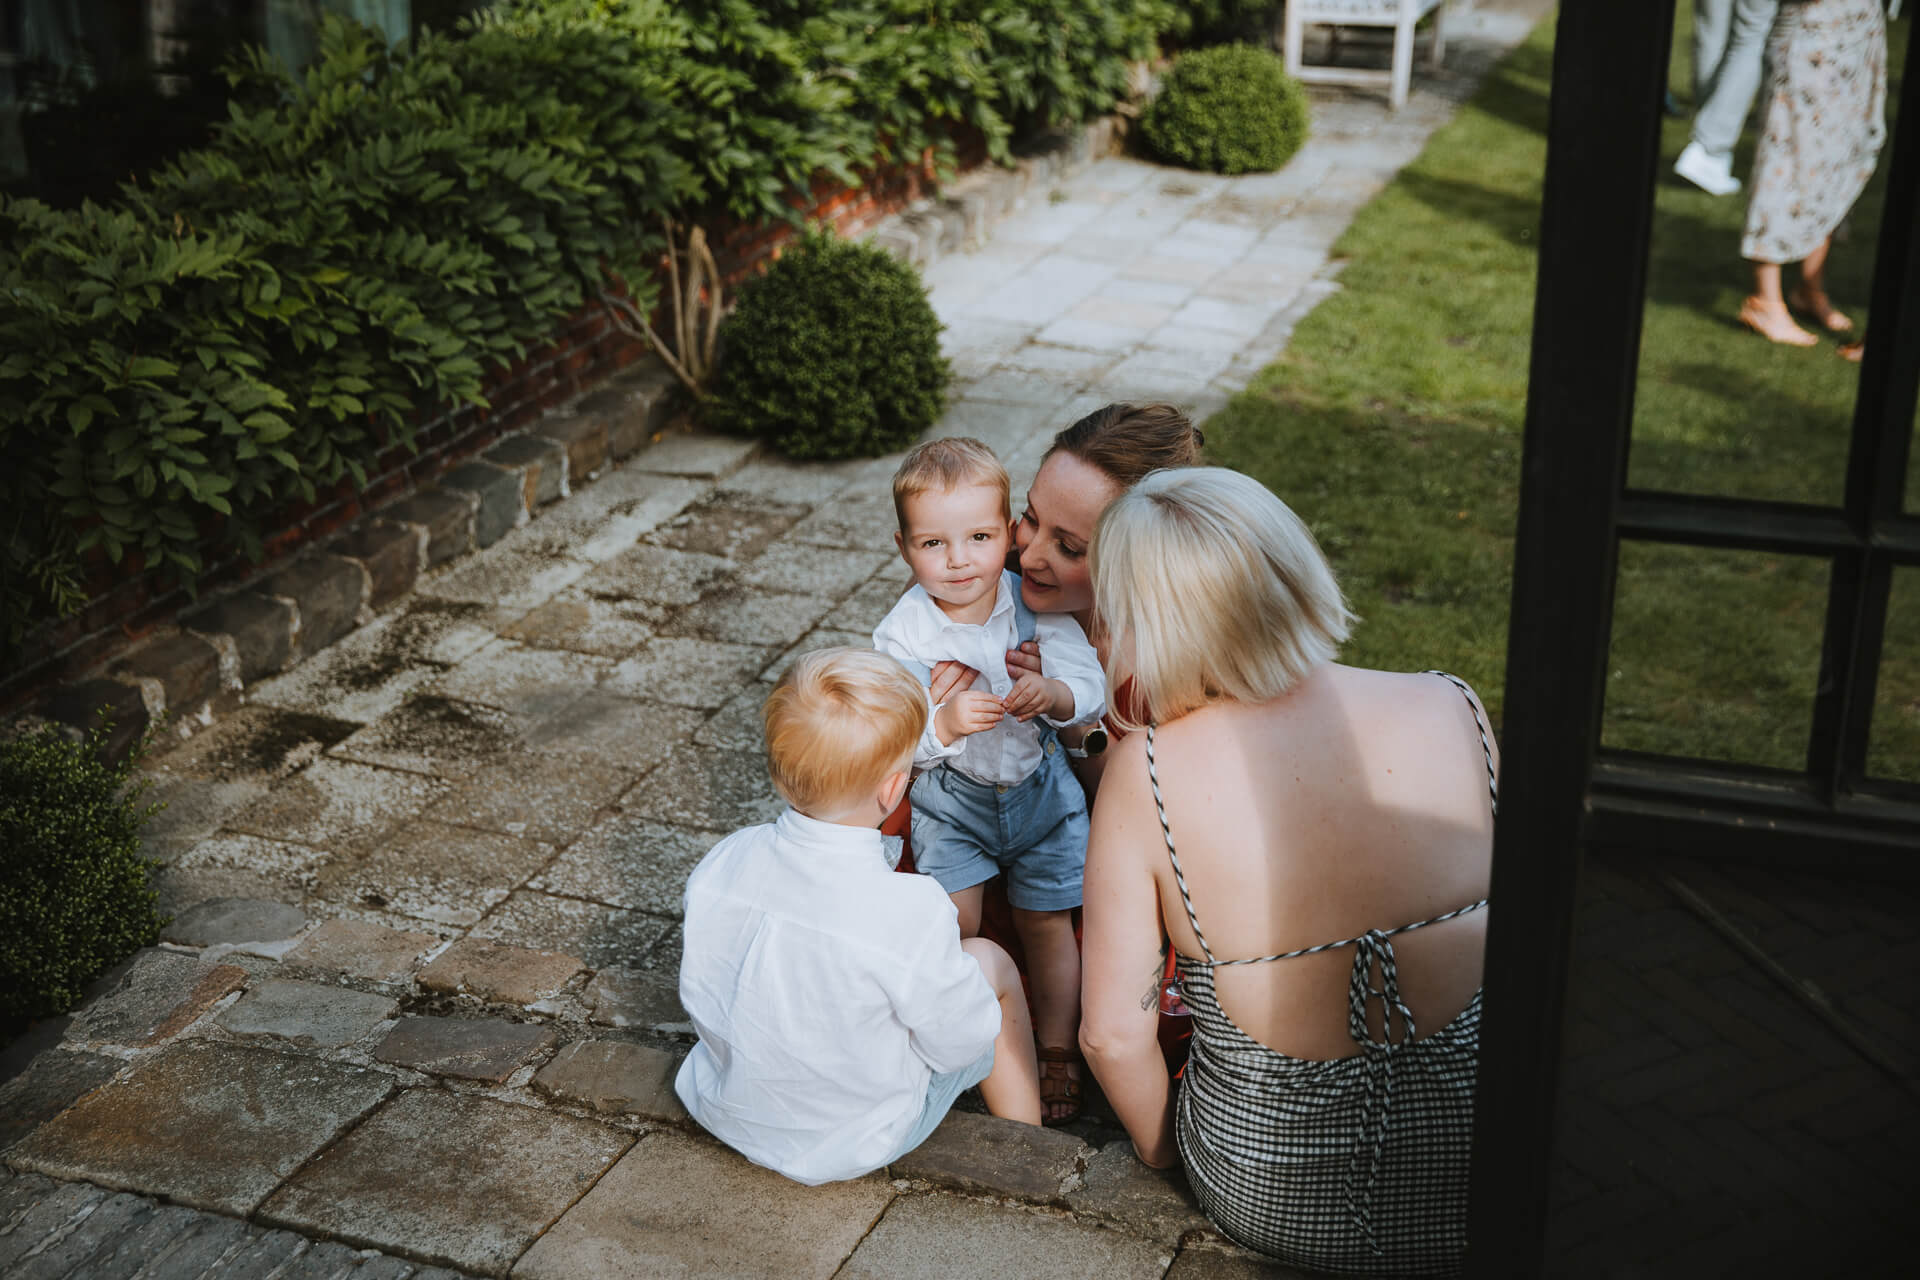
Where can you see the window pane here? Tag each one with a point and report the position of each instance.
(1893, 744)
(1715, 654)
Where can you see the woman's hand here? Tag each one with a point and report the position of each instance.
(951, 677)
(1025, 658)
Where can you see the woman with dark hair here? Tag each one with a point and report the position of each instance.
(1088, 465)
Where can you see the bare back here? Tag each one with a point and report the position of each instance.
(1356, 801)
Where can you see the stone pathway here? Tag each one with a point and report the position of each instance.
(416, 1008)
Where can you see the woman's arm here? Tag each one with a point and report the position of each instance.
(1123, 957)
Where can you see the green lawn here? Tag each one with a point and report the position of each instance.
(1393, 424)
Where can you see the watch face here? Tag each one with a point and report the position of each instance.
(1095, 742)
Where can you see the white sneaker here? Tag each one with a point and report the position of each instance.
(1715, 177)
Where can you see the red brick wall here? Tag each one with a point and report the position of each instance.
(129, 604)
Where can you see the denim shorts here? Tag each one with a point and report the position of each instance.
(966, 832)
(942, 1090)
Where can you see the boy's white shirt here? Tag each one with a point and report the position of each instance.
(916, 629)
(826, 989)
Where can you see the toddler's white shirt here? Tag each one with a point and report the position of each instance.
(826, 989)
(916, 629)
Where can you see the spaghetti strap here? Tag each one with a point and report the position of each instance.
(1179, 876)
(1486, 739)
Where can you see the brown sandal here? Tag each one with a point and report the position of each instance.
(1057, 1087)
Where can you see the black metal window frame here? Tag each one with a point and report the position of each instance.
(1560, 794)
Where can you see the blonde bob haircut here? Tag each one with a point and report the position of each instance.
(838, 722)
(947, 464)
(1211, 588)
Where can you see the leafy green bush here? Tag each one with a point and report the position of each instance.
(1229, 109)
(833, 353)
(270, 314)
(74, 898)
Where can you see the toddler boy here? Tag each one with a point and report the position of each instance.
(997, 795)
(839, 1012)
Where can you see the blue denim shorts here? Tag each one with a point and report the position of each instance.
(943, 1088)
(1035, 831)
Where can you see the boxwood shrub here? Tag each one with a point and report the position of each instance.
(833, 353)
(74, 897)
(1229, 109)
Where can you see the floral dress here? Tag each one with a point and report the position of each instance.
(1825, 121)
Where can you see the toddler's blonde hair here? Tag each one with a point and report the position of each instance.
(1211, 588)
(838, 722)
(948, 464)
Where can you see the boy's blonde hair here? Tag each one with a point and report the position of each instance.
(1211, 588)
(948, 464)
(839, 721)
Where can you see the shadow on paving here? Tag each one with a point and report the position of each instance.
(1712, 1121)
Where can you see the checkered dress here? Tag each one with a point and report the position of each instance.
(1356, 1165)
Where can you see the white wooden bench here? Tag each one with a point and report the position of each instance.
(1400, 15)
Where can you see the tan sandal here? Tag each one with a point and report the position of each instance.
(1774, 326)
(1057, 1086)
(1831, 318)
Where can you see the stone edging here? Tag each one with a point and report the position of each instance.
(188, 674)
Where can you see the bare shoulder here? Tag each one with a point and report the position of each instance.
(1397, 701)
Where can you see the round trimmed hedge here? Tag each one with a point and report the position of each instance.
(74, 897)
(833, 353)
(1229, 109)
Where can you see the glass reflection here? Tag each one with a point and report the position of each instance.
(1715, 654)
(1893, 743)
(1762, 260)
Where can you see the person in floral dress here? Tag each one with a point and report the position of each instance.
(1825, 122)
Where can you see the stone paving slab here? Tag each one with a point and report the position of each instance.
(306, 1013)
(680, 1206)
(522, 680)
(489, 1049)
(256, 742)
(1155, 1203)
(431, 734)
(369, 672)
(706, 789)
(51, 1083)
(585, 624)
(462, 1182)
(599, 935)
(622, 997)
(688, 672)
(152, 1130)
(338, 805)
(1216, 1263)
(734, 527)
(604, 727)
(536, 796)
(614, 1078)
(434, 872)
(503, 974)
(937, 1237)
(361, 950)
(160, 993)
(741, 615)
(626, 860)
(242, 923)
(991, 1156)
(45, 1210)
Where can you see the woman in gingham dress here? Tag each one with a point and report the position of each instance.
(1314, 840)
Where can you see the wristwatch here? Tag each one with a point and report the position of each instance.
(1092, 744)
